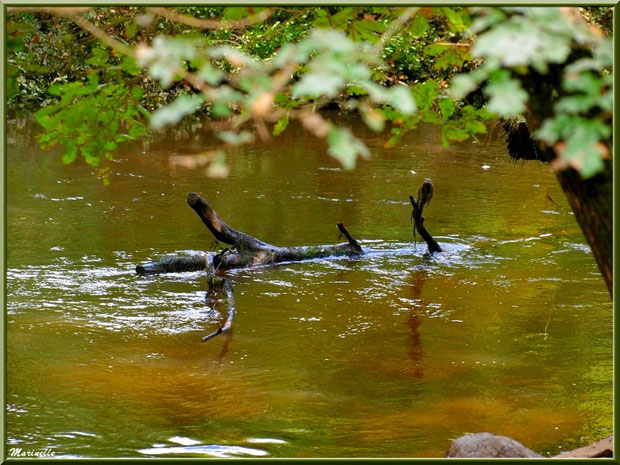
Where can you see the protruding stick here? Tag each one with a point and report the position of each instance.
(221, 231)
(352, 241)
(418, 222)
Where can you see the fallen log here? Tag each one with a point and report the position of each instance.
(246, 250)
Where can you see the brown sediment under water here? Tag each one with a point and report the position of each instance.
(509, 330)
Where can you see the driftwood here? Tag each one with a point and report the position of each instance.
(248, 251)
(425, 194)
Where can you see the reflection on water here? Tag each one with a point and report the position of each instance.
(389, 355)
(192, 447)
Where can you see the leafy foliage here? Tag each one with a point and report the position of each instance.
(519, 44)
(90, 119)
(244, 69)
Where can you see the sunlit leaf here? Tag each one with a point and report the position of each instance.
(446, 106)
(236, 138)
(174, 112)
(130, 66)
(400, 98)
(312, 85)
(506, 96)
(280, 125)
(345, 147)
(419, 26)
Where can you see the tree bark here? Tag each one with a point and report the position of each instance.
(592, 202)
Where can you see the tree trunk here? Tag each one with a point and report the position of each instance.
(592, 201)
(249, 251)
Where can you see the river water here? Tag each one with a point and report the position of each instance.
(390, 355)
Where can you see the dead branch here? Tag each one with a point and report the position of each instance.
(221, 231)
(425, 193)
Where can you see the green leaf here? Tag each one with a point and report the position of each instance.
(163, 73)
(220, 110)
(210, 74)
(583, 150)
(356, 90)
(99, 58)
(136, 130)
(280, 125)
(12, 87)
(313, 85)
(426, 93)
(137, 92)
(462, 85)
(70, 153)
(400, 98)
(527, 40)
(431, 117)
(446, 106)
(130, 66)
(455, 17)
(177, 110)
(476, 127)
(434, 50)
(506, 96)
(236, 138)
(131, 30)
(454, 133)
(372, 117)
(419, 26)
(345, 147)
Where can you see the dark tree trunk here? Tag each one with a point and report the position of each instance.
(592, 202)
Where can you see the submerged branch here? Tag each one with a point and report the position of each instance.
(352, 241)
(227, 286)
